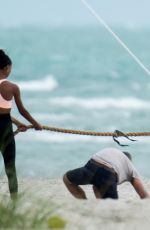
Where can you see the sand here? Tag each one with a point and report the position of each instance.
(129, 212)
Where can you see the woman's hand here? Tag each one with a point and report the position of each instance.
(37, 126)
(22, 127)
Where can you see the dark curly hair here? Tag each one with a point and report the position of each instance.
(4, 60)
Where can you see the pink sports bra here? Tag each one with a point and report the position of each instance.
(5, 104)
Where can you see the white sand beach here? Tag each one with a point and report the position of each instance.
(129, 212)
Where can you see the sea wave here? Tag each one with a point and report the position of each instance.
(59, 138)
(48, 137)
(45, 84)
(54, 116)
(100, 103)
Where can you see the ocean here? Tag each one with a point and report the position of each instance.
(78, 78)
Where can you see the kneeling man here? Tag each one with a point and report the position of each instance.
(105, 170)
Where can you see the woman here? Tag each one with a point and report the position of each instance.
(9, 91)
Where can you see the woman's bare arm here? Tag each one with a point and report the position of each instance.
(22, 127)
(16, 122)
(22, 110)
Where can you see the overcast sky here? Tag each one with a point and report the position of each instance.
(68, 12)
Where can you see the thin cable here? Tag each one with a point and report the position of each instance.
(115, 36)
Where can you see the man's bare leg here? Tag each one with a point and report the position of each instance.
(75, 190)
(97, 192)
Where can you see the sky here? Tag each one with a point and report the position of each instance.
(73, 12)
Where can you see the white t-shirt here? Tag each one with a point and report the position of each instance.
(119, 161)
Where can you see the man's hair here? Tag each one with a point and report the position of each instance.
(128, 155)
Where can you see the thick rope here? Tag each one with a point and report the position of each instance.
(88, 133)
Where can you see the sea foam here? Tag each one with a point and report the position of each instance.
(47, 137)
(45, 84)
(101, 103)
(54, 116)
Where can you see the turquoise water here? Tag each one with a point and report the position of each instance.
(78, 78)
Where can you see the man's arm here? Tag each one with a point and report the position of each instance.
(139, 187)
